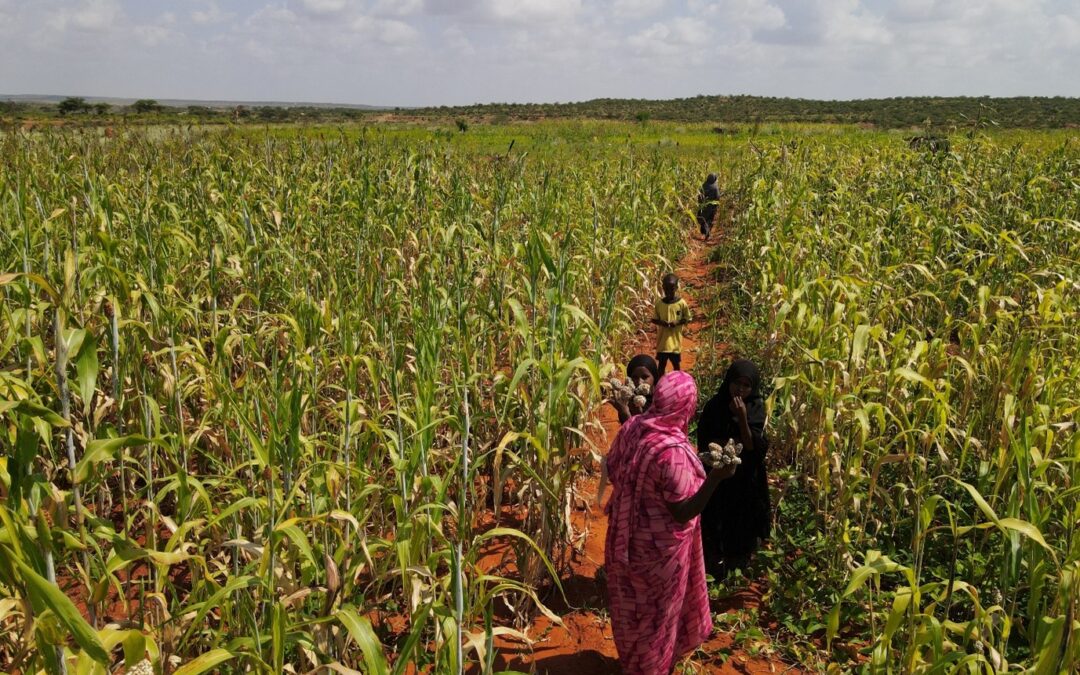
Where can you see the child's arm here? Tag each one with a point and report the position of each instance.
(687, 317)
(657, 321)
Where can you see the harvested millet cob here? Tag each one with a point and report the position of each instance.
(622, 392)
(143, 667)
(722, 456)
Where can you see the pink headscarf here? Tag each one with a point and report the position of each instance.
(639, 441)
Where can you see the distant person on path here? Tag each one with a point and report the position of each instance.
(642, 369)
(671, 314)
(740, 516)
(652, 556)
(708, 201)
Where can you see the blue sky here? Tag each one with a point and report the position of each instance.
(421, 52)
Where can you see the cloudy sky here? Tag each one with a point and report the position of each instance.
(418, 52)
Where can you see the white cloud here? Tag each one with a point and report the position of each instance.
(827, 30)
(272, 17)
(396, 7)
(636, 9)
(88, 15)
(7, 19)
(97, 21)
(297, 37)
(458, 41)
(534, 10)
(677, 36)
(152, 36)
(1066, 31)
(747, 14)
(323, 7)
(507, 11)
(211, 14)
(387, 31)
(845, 27)
(923, 10)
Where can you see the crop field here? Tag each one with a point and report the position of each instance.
(262, 391)
(258, 386)
(920, 316)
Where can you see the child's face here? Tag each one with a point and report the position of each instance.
(641, 375)
(741, 387)
(670, 287)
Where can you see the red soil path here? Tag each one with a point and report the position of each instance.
(583, 645)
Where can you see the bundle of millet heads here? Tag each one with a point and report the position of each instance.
(627, 392)
(719, 457)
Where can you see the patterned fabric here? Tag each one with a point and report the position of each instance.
(655, 569)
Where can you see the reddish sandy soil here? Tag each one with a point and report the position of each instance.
(583, 645)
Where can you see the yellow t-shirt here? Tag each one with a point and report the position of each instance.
(670, 339)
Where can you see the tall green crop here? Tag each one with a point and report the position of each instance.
(255, 390)
(920, 315)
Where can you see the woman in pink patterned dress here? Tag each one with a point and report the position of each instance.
(653, 557)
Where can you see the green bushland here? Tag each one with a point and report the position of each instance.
(724, 113)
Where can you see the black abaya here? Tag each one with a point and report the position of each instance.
(739, 512)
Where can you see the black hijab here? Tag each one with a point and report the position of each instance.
(717, 423)
(755, 404)
(646, 361)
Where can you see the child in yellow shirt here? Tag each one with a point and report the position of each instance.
(672, 313)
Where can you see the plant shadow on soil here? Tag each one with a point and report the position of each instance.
(587, 661)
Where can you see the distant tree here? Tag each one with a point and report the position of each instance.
(145, 105)
(101, 108)
(462, 125)
(272, 113)
(73, 104)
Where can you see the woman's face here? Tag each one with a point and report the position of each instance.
(741, 387)
(640, 375)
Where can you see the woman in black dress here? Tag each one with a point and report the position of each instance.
(739, 515)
